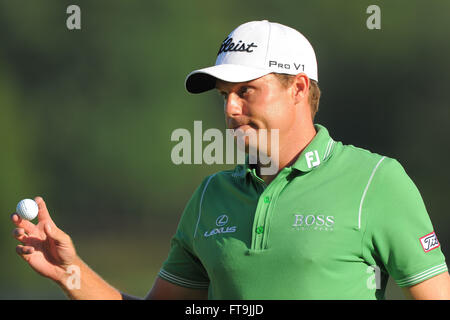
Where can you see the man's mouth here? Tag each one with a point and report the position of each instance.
(243, 125)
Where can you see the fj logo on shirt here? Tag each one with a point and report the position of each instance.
(312, 159)
(313, 222)
(221, 221)
(429, 242)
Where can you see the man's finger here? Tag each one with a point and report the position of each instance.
(19, 234)
(24, 250)
(43, 212)
(28, 226)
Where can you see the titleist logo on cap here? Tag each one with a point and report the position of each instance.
(229, 45)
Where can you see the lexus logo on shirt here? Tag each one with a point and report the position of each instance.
(221, 221)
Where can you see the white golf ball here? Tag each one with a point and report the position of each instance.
(27, 209)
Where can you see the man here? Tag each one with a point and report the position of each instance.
(332, 223)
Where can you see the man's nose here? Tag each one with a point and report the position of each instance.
(233, 105)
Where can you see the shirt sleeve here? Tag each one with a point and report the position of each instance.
(399, 233)
(182, 267)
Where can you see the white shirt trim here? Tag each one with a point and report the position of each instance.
(365, 192)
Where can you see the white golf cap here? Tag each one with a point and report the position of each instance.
(253, 50)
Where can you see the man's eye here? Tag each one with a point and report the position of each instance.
(244, 90)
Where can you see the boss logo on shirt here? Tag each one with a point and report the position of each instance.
(313, 222)
(221, 222)
(429, 242)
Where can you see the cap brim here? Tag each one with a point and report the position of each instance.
(202, 80)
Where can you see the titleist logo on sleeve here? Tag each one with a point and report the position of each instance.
(229, 45)
(429, 242)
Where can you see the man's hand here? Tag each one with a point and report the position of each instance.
(49, 251)
(46, 248)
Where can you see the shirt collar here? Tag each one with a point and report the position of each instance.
(317, 152)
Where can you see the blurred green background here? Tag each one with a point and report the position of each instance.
(86, 115)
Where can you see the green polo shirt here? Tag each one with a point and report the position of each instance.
(334, 225)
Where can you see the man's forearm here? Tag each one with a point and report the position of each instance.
(435, 288)
(82, 283)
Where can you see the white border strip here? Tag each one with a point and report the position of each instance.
(365, 192)
(181, 281)
(200, 205)
(422, 276)
(330, 149)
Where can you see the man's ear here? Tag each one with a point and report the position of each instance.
(300, 87)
